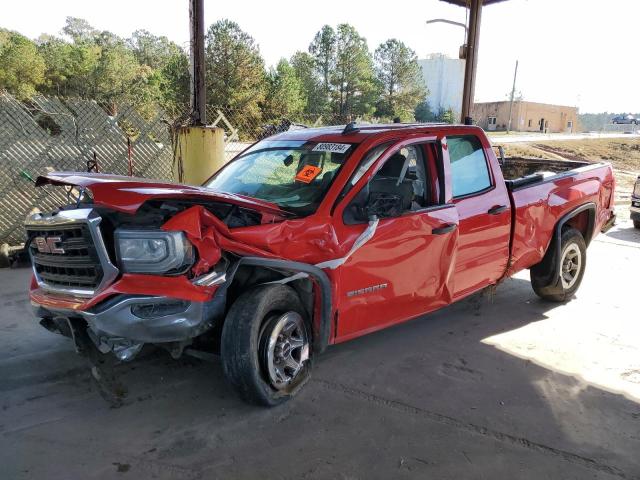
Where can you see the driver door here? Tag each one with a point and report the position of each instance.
(406, 268)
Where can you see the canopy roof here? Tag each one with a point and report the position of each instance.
(465, 3)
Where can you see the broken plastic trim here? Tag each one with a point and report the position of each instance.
(211, 279)
(321, 341)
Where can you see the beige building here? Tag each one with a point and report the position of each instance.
(526, 117)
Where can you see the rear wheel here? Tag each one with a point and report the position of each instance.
(573, 261)
(266, 345)
(636, 223)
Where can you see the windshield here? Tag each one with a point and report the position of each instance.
(295, 175)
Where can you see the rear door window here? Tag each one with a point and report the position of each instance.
(469, 168)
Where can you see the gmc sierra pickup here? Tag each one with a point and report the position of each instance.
(307, 238)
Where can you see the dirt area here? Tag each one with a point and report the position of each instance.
(624, 155)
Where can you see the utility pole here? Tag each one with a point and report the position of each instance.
(513, 92)
(199, 149)
(473, 41)
(198, 99)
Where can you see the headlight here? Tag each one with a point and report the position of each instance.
(153, 251)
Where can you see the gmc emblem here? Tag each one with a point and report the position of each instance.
(48, 245)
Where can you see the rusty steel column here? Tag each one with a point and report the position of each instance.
(473, 40)
(198, 98)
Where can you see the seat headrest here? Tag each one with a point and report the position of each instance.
(393, 166)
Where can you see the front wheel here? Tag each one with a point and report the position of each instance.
(266, 345)
(573, 261)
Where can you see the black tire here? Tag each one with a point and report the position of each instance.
(636, 223)
(249, 319)
(552, 287)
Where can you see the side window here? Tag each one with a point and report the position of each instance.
(469, 169)
(368, 160)
(399, 186)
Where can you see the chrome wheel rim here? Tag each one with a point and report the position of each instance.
(285, 346)
(571, 265)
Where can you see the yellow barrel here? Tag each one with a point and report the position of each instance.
(199, 152)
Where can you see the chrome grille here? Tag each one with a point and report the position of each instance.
(68, 253)
(78, 267)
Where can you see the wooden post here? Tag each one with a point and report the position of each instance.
(198, 92)
(473, 40)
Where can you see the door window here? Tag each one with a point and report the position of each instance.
(399, 186)
(469, 169)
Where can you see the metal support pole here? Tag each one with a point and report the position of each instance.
(198, 93)
(473, 40)
(513, 92)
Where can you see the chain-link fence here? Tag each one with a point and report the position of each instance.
(49, 134)
(53, 134)
(242, 128)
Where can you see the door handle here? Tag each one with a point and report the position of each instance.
(442, 230)
(497, 209)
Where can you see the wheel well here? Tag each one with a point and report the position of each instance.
(584, 222)
(248, 276)
(312, 286)
(582, 219)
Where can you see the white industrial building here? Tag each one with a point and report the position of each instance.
(444, 78)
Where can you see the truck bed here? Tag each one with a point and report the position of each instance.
(517, 167)
(541, 191)
(521, 171)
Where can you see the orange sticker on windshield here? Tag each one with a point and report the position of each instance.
(308, 173)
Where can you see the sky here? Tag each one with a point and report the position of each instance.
(573, 52)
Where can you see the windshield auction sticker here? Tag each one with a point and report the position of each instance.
(308, 173)
(332, 147)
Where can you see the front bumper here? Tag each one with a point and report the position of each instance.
(133, 320)
(635, 208)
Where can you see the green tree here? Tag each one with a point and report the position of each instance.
(175, 84)
(285, 98)
(234, 68)
(446, 115)
(152, 50)
(170, 66)
(101, 66)
(399, 74)
(79, 30)
(355, 88)
(304, 66)
(69, 67)
(323, 51)
(423, 113)
(22, 68)
(118, 77)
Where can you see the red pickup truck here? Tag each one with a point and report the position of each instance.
(308, 238)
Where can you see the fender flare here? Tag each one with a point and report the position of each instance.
(320, 341)
(551, 260)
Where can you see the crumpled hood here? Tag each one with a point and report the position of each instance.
(127, 194)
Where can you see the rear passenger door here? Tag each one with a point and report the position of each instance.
(484, 212)
(406, 268)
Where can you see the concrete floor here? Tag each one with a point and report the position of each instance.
(508, 387)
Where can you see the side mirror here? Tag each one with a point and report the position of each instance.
(382, 205)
